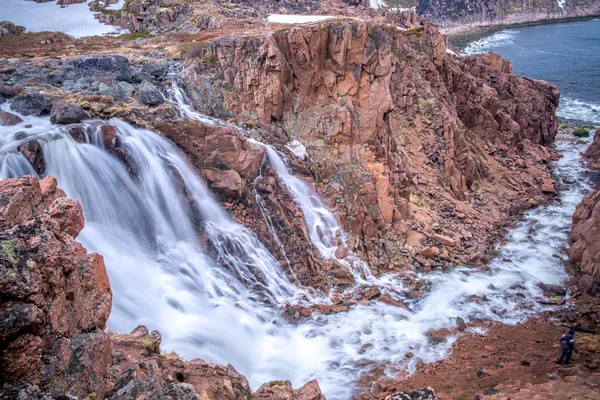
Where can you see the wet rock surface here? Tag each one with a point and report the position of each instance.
(56, 300)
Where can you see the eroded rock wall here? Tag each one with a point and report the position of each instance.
(412, 146)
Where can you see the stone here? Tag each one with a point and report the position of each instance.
(100, 65)
(66, 113)
(149, 94)
(127, 88)
(422, 394)
(341, 252)
(445, 240)
(30, 103)
(427, 252)
(9, 119)
(553, 289)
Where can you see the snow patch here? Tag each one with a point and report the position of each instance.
(448, 51)
(297, 19)
(562, 4)
(377, 3)
(76, 19)
(297, 149)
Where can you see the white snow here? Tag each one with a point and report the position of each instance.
(297, 149)
(562, 3)
(296, 19)
(377, 3)
(76, 19)
(117, 6)
(450, 52)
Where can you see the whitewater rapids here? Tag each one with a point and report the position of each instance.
(221, 301)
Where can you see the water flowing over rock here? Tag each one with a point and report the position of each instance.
(56, 300)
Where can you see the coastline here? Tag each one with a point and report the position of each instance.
(460, 36)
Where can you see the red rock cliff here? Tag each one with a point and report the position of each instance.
(413, 146)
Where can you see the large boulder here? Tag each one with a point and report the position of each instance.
(66, 113)
(100, 65)
(7, 28)
(150, 95)
(30, 103)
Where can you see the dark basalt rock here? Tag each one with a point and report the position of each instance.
(422, 394)
(31, 103)
(101, 65)
(150, 95)
(66, 113)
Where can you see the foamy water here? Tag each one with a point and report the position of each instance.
(222, 302)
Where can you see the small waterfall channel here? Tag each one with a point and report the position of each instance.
(178, 263)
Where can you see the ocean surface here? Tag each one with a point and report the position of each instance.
(566, 54)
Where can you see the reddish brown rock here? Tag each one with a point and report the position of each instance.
(445, 240)
(378, 108)
(60, 295)
(585, 242)
(9, 119)
(228, 161)
(592, 154)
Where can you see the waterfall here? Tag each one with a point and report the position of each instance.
(178, 263)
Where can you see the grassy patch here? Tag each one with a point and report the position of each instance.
(581, 132)
(134, 35)
(276, 383)
(412, 31)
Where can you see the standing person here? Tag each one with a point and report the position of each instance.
(567, 346)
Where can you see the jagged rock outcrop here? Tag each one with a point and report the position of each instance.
(153, 16)
(7, 28)
(56, 299)
(585, 242)
(592, 154)
(401, 136)
(461, 14)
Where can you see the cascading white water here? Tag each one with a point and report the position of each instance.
(219, 301)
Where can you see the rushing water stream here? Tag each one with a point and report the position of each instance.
(219, 298)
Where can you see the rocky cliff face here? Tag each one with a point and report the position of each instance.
(414, 148)
(592, 154)
(56, 299)
(585, 246)
(462, 14)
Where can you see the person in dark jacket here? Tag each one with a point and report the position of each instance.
(567, 347)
